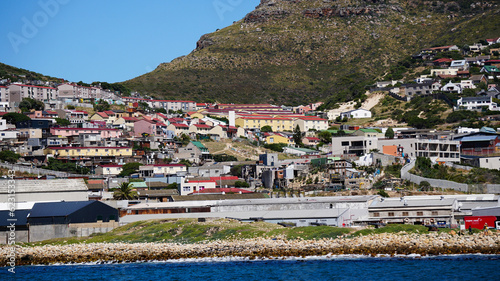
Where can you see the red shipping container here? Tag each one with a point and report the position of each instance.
(479, 221)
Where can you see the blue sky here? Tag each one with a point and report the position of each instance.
(113, 41)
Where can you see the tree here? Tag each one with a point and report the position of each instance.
(266, 129)
(185, 162)
(161, 110)
(171, 186)
(28, 104)
(9, 156)
(102, 105)
(13, 117)
(325, 136)
(125, 192)
(297, 135)
(62, 122)
(383, 193)
(241, 184)
(389, 133)
(424, 185)
(129, 169)
(236, 170)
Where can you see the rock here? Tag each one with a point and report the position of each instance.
(205, 41)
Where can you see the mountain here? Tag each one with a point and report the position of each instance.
(299, 51)
(18, 74)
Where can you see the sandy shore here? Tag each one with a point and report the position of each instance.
(387, 244)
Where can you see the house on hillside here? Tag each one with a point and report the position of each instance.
(194, 152)
(416, 89)
(311, 141)
(477, 79)
(356, 113)
(477, 103)
(452, 88)
(490, 69)
(143, 127)
(459, 64)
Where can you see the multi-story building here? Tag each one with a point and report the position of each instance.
(311, 123)
(75, 152)
(353, 145)
(68, 132)
(438, 150)
(18, 92)
(161, 169)
(4, 94)
(257, 122)
(173, 105)
(75, 91)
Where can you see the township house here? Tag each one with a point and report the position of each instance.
(145, 126)
(78, 152)
(257, 122)
(356, 113)
(70, 132)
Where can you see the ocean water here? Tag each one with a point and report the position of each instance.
(459, 267)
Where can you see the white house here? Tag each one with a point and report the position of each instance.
(459, 64)
(452, 88)
(477, 103)
(189, 186)
(357, 113)
(467, 84)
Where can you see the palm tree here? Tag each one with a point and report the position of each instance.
(125, 192)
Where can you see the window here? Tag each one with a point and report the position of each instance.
(405, 214)
(186, 188)
(345, 143)
(377, 214)
(434, 213)
(420, 214)
(391, 214)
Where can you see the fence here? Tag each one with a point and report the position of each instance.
(469, 188)
(38, 171)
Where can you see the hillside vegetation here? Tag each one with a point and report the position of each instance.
(293, 52)
(188, 231)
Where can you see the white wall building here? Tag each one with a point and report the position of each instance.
(477, 103)
(357, 113)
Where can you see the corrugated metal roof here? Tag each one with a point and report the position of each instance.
(57, 209)
(479, 138)
(21, 217)
(398, 203)
(35, 186)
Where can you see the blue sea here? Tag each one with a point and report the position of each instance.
(458, 267)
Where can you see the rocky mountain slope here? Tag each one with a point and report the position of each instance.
(298, 51)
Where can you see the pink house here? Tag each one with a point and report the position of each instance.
(310, 141)
(144, 127)
(68, 132)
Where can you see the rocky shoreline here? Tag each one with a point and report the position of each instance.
(373, 245)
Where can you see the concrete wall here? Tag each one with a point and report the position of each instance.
(472, 188)
(45, 232)
(21, 236)
(48, 196)
(291, 207)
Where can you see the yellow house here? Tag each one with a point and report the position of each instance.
(89, 151)
(279, 139)
(276, 123)
(195, 115)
